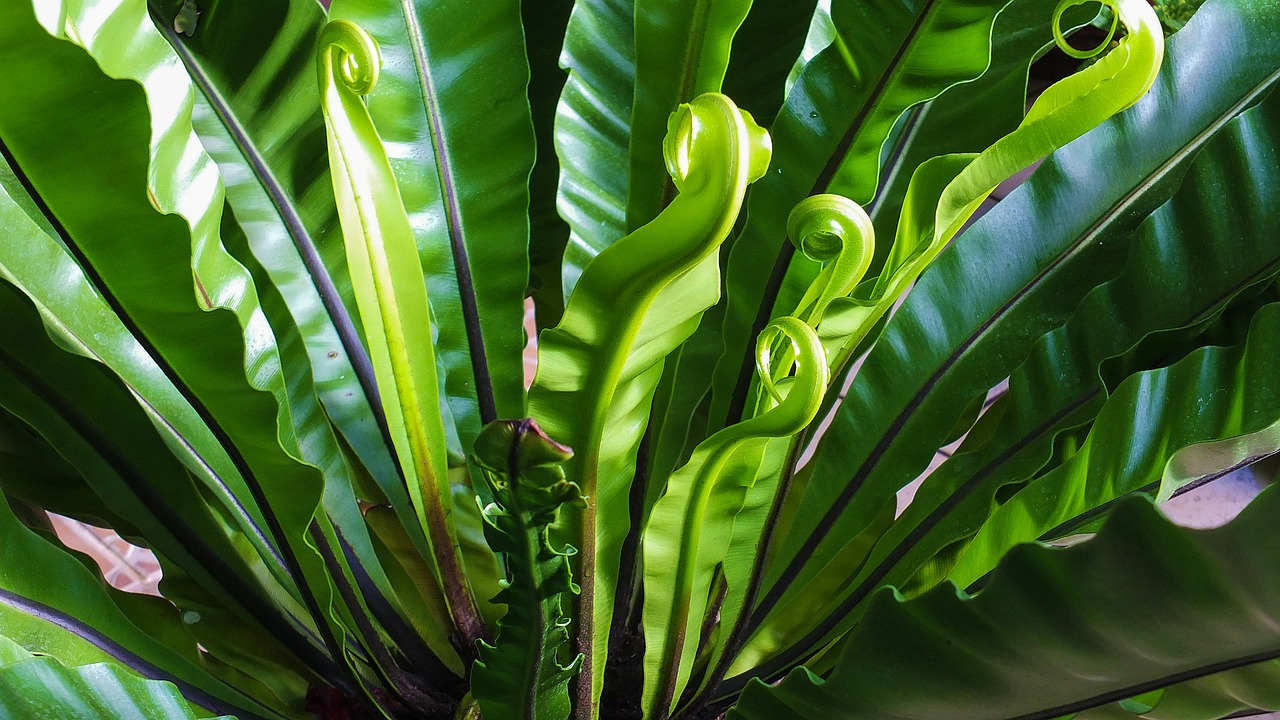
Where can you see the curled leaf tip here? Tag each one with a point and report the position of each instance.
(681, 145)
(823, 226)
(803, 353)
(1070, 49)
(831, 229)
(1142, 31)
(350, 56)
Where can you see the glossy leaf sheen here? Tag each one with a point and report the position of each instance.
(1143, 605)
(451, 109)
(592, 127)
(33, 686)
(957, 348)
(1210, 257)
(598, 368)
(217, 343)
(682, 51)
(837, 115)
(1149, 415)
(392, 296)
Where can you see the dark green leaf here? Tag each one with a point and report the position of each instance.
(964, 328)
(1142, 606)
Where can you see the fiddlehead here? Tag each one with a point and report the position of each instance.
(1070, 49)
(835, 230)
(686, 128)
(349, 56)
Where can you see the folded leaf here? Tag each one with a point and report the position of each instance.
(522, 676)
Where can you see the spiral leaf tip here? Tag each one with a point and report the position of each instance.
(350, 56)
(684, 127)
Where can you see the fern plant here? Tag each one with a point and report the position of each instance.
(265, 269)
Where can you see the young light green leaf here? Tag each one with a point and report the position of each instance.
(1062, 113)
(392, 297)
(634, 305)
(688, 534)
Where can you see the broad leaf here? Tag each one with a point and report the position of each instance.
(452, 114)
(211, 340)
(1143, 605)
(257, 111)
(836, 117)
(1150, 415)
(593, 124)
(937, 355)
(1059, 388)
(33, 686)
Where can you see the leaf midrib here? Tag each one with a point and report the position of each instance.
(453, 215)
(1149, 685)
(868, 466)
(330, 298)
(121, 654)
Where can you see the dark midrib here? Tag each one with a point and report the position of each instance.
(1147, 686)
(935, 516)
(409, 687)
(330, 298)
(738, 400)
(915, 118)
(453, 211)
(292, 565)
(124, 656)
(881, 86)
(406, 639)
(134, 478)
(1156, 684)
(226, 494)
(1076, 522)
(871, 582)
(877, 453)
